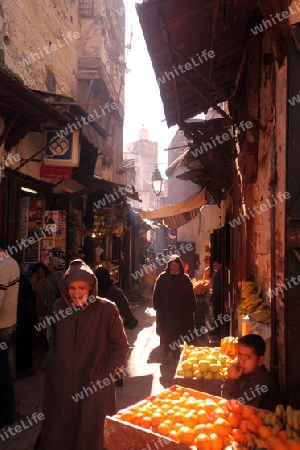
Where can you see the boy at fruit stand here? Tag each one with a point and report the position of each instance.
(249, 381)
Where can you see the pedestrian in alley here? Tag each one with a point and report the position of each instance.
(107, 289)
(9, 288)
(175, 303)
(88, 346)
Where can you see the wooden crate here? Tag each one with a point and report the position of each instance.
(212, 387)
(119, 435)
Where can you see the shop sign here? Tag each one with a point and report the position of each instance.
(63, 173)
(62, 148)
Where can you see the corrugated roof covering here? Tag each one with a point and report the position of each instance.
(177, 215)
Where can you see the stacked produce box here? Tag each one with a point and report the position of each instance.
(204, 368)
(185, 419)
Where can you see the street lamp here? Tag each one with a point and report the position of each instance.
(157, 183)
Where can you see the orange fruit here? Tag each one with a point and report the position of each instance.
(191, 403)
(216, 442)
(226, 441)
(202, 442)
(185, 435)
(234, 420)
(246, 425)
(247, 412)
(173, 435)
(202, 428)
(292, 445)
(234, 406)
(282, 435)
(220, 412)
(163, 429)
(202, 416)
(137, 418)
(176, 426)
(264, 432)
(222, 427)
(209, 406)
(146, 422)
(126, 415)
(178, 417)
(256, 420)
(157, 418)
(222, 402)
(190, 420)
(237, 434)
(275, 443)
(169, 413)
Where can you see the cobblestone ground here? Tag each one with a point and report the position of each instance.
(146, 375)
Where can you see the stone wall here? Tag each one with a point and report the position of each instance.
(39, 42)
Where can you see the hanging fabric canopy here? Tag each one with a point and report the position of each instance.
(177, 215)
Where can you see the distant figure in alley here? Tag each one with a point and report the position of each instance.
(175, 303)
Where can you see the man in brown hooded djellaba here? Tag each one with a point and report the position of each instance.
(174, 302)
(88, 346)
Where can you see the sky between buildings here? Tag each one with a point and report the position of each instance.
(143, 105)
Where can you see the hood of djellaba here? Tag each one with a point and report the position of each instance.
(78, 271)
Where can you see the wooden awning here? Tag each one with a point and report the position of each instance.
(22, 109)
(179, 34)
(177, 215)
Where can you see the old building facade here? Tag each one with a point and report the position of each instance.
(62, 72)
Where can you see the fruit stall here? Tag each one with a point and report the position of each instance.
(254, 314)
(205, 368)
(185, 419)
(200, 288)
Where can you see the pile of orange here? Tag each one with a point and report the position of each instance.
(207, 424)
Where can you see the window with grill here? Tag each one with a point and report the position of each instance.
(86, 8)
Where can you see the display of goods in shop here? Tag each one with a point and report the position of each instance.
(207, 363)
(201, 421)
(200, 286)
(229, 346)
(253, 304)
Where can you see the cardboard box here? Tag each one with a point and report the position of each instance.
(120, 435)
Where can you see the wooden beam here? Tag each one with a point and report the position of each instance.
(8, 128)
(170, 57)
(213, 85)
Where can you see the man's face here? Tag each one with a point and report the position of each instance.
(247, 359)
(174, 268)
(79, 292)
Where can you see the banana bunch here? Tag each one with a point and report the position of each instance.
(281, 419)
(262, 315)
(293, 423)
(251, 298)
(229, 346)
(274, 421)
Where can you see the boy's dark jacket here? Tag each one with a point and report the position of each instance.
(245, 387)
